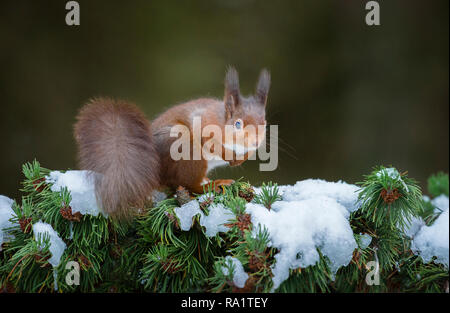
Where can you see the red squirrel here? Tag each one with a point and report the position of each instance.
(115, 139)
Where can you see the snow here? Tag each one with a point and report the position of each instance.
(365, 240)
(158, 196)
(298, 228)
(345, 194)
(413, 227)
(57, 245)
(55, 279)
(312, 214)
(205, 197)
(82, 190)
(393, 174)
(239, 275)
(441, 203)
(433, 240)
(186, 212)
(6, 213)
(218, 215)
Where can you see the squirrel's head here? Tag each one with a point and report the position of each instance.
(245, 114)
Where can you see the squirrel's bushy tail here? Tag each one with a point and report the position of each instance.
(114, 139)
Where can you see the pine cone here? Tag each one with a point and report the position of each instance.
(256, 262)
(7, 288)
(37, 184)
(171, 266)
(390, 195)
(40, 259)
(243, 223)
(25, 224)
(84, 261)
(247, 192)
(248, 287)
(66, 213)
(183, 195)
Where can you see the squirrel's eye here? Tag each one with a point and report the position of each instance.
(238, 124)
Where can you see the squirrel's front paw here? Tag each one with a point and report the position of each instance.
(222, 182)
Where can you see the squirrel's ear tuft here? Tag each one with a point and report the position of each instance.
(263, 86)
(232, 93)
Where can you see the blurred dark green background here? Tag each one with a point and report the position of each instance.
(346, 96)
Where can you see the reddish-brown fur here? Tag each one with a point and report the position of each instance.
(115, 139)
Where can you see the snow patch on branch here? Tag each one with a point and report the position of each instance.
(365, 240)
(345, 194)
(313, 214)
(392, 173)
(441, 203)
(213, 222)
(432, 241)
(413, 226)
(57, 245)
(6, 213)
(186, 212)
(239, 275)
(81, 186)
